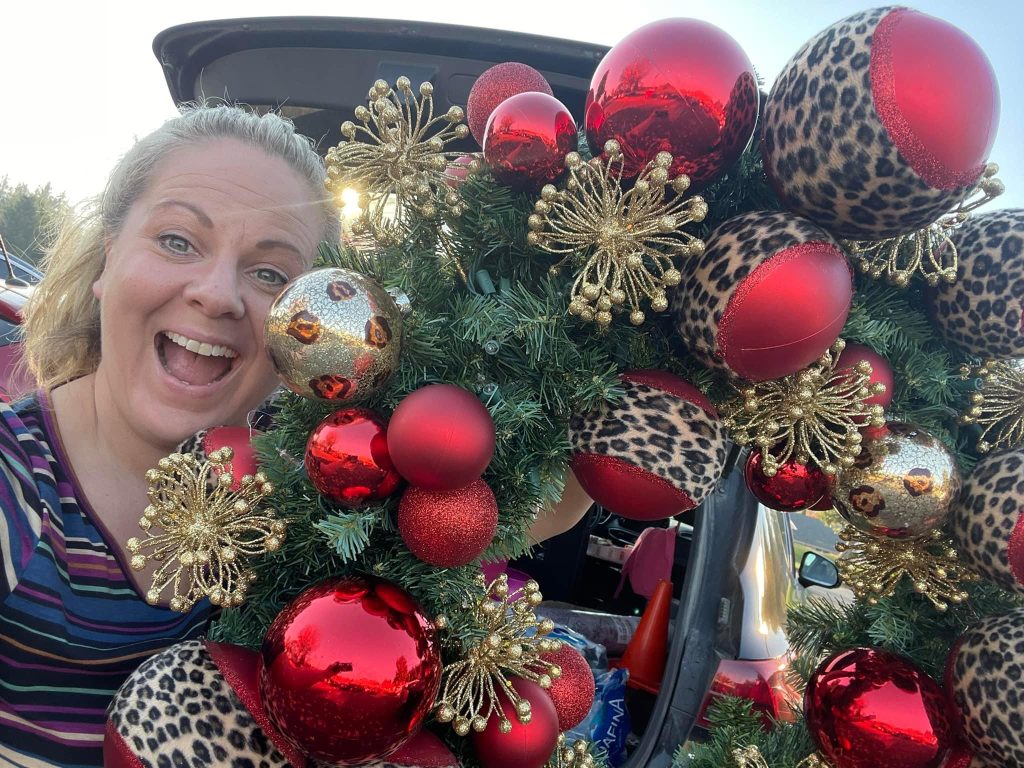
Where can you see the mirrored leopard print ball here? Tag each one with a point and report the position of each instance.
(334, 335)
(880, 123)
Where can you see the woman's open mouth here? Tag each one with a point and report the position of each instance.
(192, 362)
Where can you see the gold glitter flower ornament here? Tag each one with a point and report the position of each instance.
(624, 241)
(400, 165)
(998, 405)
(207, 530)
(512, 643)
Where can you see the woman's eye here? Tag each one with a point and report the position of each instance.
(176, 244)
(270, 276)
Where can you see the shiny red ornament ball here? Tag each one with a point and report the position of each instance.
(880, 124)
(441, 437)
(881, 371)
(500, 82)
(448, 528)
(349, 670)
(458, 170)
(867, 707)
(528, 745)
(572, 692)
(347, 458)
(681, 86)
(527, 138)
(793, 488)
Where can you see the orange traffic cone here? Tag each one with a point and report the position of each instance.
(648, 649)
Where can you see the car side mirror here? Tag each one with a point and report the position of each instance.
(817, 571)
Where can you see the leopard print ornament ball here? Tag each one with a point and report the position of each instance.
(768, 296)
(982, 313)
(334, 335)
(655, 453)
(988, 526)
(178, 708)
(880, 123)
(985, 677)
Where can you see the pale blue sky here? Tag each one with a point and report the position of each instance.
(79, 80)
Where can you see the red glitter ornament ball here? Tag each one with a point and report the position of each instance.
(681, 86)
(349, 670)
(572, 692)
(868, 707)
(527, 139)
(527, 745)
(881, 371)
(500, 82)
(441, 437)
(347, 458)
(448, 528)
(794, 487)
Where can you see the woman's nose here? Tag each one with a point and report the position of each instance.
(216, 289)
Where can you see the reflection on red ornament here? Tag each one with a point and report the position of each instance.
(794, 487)
(867, 707)
(681, 86)
(347, 458)
(527, 139)
(349, 670)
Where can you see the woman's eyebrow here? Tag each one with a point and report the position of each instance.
(205, 220)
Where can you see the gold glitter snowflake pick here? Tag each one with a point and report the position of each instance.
(873, 566)
(578, 755)
(469, 697)
(998, 405)
(401, 164)
(207, 530)
(930, 251)
(813, 416)
(623, 241)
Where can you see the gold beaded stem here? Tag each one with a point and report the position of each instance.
(873, 566)
(207, 534)
(623, 241)
(470, 694)
(401, 165)
(930, 251)
(814, 415)
(998, 406)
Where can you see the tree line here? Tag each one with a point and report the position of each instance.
(27, 217)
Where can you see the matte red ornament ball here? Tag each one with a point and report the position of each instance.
(349, 670)
(527, 745)
(347, 458)
(496, 84)
(572, 692)
(793, 488)
(881, 371)
(448, 528)
(681, 86)
(441, 437)
(527, 138)
(867, 707)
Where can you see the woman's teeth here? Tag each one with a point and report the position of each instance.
(200, 347)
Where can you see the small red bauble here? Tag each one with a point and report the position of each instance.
(347, 458)
(500, 82)
(448, 528)
(457, 171)
(527, 745)
(868, 707)
(349, 670)
(681, 86)
(770, 295)
(441, 437)
(794, 487)
(881, 371)
(572, 692)
(244, 460)
(527, 139)
(660, 409)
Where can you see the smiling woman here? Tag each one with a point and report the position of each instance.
(146, 328)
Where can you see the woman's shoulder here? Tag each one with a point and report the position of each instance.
(23, 431)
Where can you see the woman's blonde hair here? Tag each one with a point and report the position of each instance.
(62, 319)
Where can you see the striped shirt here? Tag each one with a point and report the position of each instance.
(72, 625)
